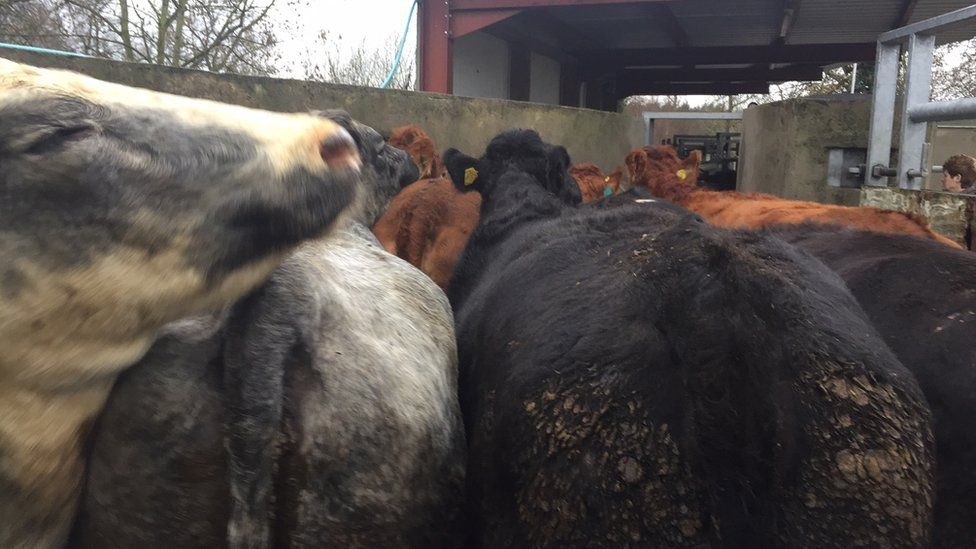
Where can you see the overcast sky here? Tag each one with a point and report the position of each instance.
(348, 23)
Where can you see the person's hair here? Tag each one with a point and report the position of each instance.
(962, 165)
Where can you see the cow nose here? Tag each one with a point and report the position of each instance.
(339, 150)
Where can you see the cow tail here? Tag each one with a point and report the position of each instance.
(731, 371)
(259, 338)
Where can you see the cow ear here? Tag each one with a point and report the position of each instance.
(636, 165)
(613, 180)
(462, 169)
(693, 162)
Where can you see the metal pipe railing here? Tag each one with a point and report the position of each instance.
(918, 40)
(942, 111)
(943, 22)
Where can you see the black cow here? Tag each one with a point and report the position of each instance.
(634, 376)
(921, 296)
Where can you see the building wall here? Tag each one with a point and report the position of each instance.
(481, 66)
(784, 146)
(467, 124)
(949, 138)
(948, 214)
(544, 80)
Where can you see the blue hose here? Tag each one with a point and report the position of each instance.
(42, 50)
(399, 53)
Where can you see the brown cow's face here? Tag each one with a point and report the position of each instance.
(660, 170)
(117, 202)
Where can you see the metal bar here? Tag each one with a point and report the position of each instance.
(606, 60)
(692, 116)
(882, 112)
(943, 22)
(918, 87)
(959, 109)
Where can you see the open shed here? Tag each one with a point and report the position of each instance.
(593, 53)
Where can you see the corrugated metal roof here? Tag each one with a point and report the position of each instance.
(752, 22)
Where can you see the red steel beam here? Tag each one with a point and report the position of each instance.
(466, 22)
(436, 63)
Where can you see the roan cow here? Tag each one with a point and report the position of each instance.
(629, 377)
(122, 210)
(321, 410)
(659, 169)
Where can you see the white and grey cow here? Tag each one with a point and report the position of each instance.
(122, 210)
(320, 411)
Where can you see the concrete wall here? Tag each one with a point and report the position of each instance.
(543, 80)
(481, 66)
(949, 214)
(785, 146)
(949, 138)
(467, 124)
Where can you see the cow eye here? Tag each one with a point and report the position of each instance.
(58, 137)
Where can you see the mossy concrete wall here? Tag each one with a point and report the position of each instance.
(949, 214)
(467, 124)
(785, 146)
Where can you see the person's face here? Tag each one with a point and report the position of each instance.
(951, 183)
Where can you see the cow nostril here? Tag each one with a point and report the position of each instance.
(339, 150)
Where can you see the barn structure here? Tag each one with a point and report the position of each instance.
(593, 53)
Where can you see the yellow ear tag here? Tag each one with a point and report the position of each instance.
(470, 176)
(606, 179)
(682, 175)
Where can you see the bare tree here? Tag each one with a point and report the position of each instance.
(952, 71)
(364, 66)
(231, 35)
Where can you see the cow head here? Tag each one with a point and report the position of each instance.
(420, 147)
(122, 209)
(518, 151)
(665, 174)
(386, 169)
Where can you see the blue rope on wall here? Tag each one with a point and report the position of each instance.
(399, 53)
(42, 50)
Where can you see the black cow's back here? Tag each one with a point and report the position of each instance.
(921, 296)
(633, 376)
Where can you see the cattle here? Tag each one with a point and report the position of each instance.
(593, 184)
(122, 210)
(415, 141)
(667, 176)
(429, 222)
(335, 383)
(921, 296)
(633, 376)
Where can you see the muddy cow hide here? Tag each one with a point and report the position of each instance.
(660, 170)
(320, 411)
(121, 210)
(921, 296)
(633, 376)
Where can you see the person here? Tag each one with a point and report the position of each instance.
(959, 174)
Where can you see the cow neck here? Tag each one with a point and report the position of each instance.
(505, 208)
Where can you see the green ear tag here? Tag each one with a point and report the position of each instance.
(607, 191)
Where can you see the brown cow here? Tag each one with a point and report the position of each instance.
(667, 176)
(593, 183)
(428, 224)
(420, 147)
